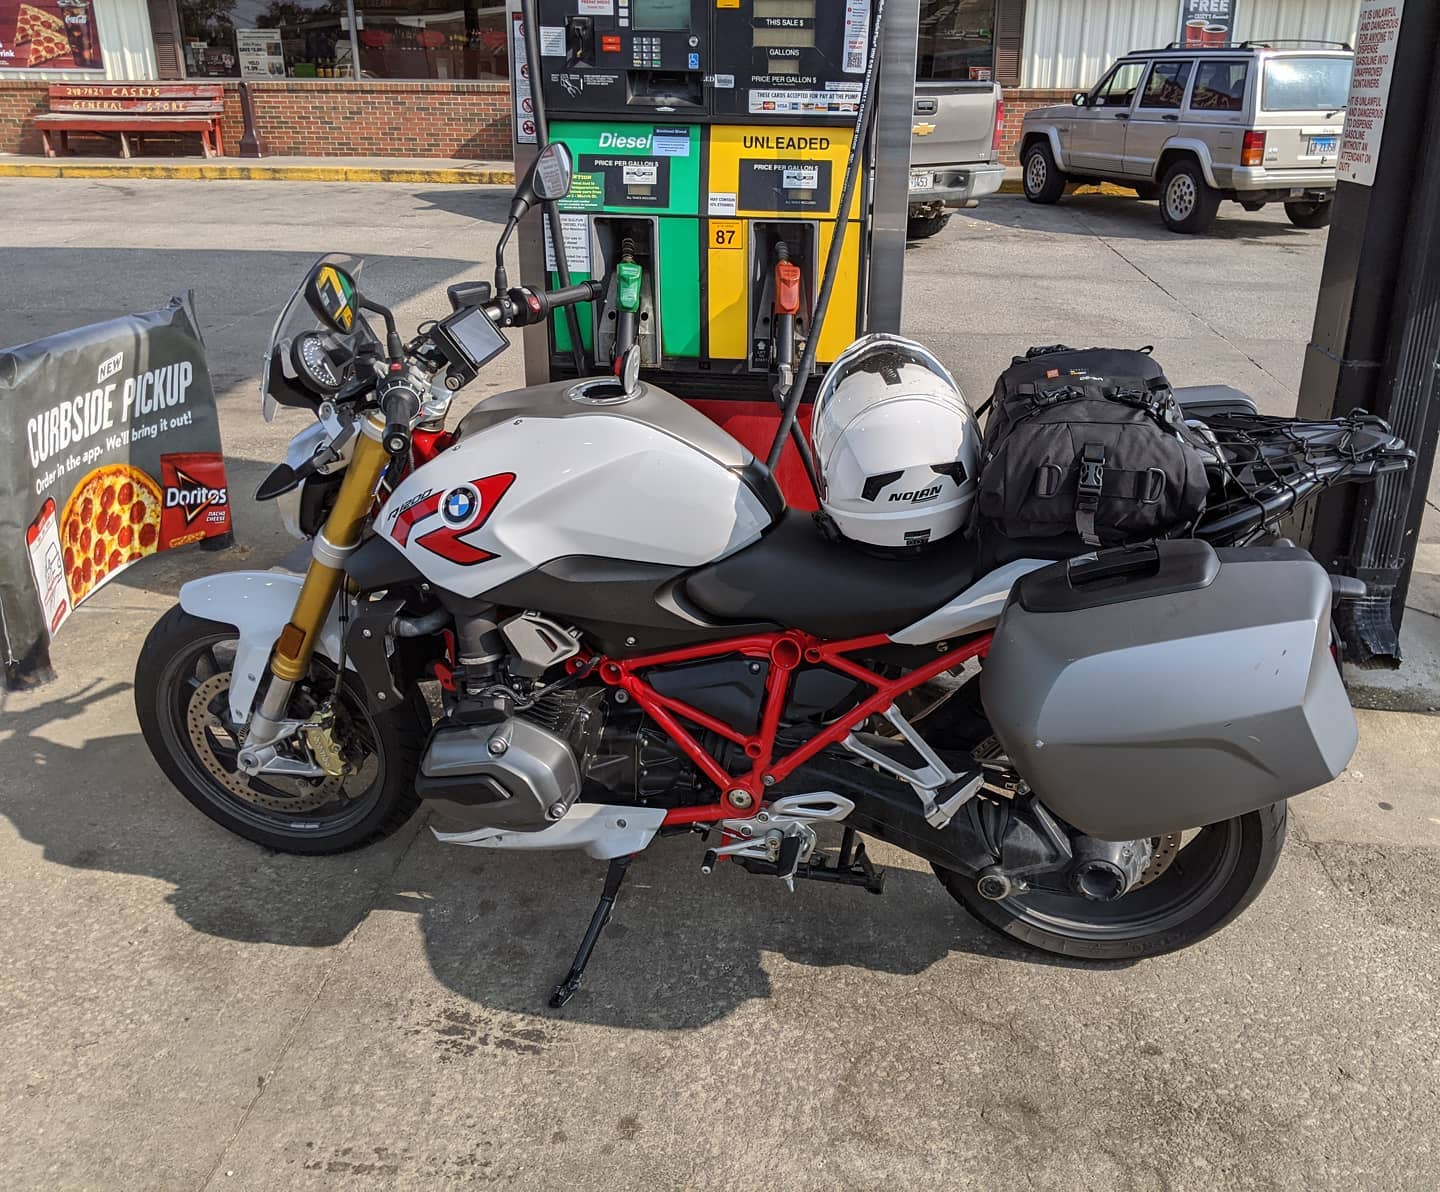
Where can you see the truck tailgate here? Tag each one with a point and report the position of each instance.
(954, 123)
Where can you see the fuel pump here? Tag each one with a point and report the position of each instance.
(711, 140)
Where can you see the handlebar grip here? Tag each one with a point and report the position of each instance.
(400, 406)
(585, 291)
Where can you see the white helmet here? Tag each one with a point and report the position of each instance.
(897, 445)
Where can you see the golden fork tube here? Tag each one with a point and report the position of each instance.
(341, 533)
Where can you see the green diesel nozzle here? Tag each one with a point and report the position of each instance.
(627, 286)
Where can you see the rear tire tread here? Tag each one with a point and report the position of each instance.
(1263, 837)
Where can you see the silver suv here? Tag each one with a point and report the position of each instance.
(1257, 123)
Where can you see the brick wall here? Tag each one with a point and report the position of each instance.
(326, 118)
(381, 119)
(1018, 101)
(20, 102)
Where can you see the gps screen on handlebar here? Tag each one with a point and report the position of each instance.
(476, 337)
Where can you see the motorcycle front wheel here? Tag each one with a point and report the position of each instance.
(1213, 875)
(182, 685)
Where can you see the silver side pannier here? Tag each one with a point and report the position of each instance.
(1168, 686)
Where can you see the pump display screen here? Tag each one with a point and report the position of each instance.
(784, 23)
(660, 14)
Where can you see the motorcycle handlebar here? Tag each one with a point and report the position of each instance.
(585, 291)
(525, 305)
(400, 407)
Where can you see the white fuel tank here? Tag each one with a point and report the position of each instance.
(578, 468)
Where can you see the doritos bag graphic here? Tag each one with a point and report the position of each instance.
(197, 498)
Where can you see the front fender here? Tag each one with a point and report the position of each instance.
(258, 604)
(1050, 134)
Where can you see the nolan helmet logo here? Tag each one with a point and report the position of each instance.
(917, 495)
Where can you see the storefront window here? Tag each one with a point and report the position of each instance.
(957, 41)
(432, 39)
(258, 39)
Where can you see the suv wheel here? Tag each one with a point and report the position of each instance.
(1044, 180)
(1309, 215)
(1187, 202)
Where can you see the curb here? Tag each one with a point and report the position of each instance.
(440, 175)
(213, 172)
(1013, 186)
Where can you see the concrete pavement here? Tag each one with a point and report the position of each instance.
(180, 1010)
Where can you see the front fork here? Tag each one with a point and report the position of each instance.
(290, 660)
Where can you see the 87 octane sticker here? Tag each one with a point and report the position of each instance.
(727, 233)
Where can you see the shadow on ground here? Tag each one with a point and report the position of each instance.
(499, 929)
(1134, 219)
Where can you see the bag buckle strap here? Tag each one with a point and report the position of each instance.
(1092, 484)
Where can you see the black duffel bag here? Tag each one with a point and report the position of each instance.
(1092, 442)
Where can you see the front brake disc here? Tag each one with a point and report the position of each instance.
(204, 724)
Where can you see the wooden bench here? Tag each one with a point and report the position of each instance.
(131, 110)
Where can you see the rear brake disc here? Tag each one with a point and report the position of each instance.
(1164, 850)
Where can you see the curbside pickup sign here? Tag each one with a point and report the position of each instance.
(109, 452)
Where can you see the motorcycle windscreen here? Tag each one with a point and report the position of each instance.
(1185, 691)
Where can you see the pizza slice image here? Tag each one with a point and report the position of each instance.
(111, 520)
(33, 20)
(46, 45)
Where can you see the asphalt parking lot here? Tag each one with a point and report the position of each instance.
(181, 1010)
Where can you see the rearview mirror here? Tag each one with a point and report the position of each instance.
(1080, 99)
(548, 178)
(333, 296)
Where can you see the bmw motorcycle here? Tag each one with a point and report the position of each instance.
(625, 634)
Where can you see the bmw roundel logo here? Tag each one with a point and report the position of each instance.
(459, 505)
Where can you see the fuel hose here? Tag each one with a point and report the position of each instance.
(530, 19)
(792, 399)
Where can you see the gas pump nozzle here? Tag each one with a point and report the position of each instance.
(786, 308)
(629, 278)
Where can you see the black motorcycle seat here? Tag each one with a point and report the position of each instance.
(794, 577)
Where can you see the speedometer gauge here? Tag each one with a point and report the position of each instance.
(312, 361)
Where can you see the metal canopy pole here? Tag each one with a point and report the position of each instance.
(1376, 343)
(530, 17)
(894, 119)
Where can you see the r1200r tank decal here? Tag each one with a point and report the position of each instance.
(457, 511)
(591, 485)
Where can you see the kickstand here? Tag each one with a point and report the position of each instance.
(619, 866)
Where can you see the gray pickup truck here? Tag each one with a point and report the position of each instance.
(954, 151)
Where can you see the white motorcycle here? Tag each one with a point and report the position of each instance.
(630, 636)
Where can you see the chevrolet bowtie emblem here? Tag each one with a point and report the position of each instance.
(922, 130)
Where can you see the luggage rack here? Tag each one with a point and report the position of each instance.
(1266, 466)
(1261, 43)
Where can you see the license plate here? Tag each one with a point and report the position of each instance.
(922, 181)
(1322, 146)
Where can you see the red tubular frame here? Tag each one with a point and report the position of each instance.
(786, 651)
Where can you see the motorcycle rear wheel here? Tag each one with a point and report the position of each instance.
(1216, 874)
(181, 699)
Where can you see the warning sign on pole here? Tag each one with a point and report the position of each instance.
(1377, 34)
